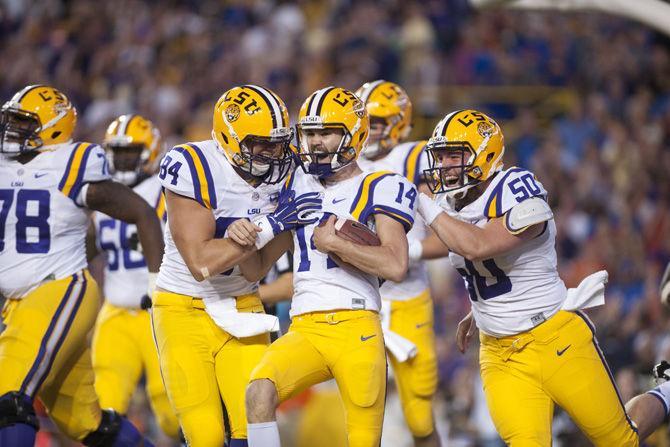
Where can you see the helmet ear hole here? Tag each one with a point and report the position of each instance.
(489, 157)
(55, 134)
(225, 138)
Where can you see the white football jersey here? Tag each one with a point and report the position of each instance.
(126, 273)
(42, 219)
(513, 292)
(410, 160)
(202, 172)
(319, 283)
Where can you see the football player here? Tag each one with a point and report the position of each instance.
(123, 345)
(409, 303)
(335, 330)
(537, 348)
(208, 320)
(48, 184)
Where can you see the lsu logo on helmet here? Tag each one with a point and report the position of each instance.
(36, 116)
(133, 145)
(466, 148)
(387, 103)
(251, 127)
(332, 108)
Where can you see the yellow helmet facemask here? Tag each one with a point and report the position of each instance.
(36, 116)
(248, 118)
(133, 145)
(466, 149)
(388, 103)
(332, 108)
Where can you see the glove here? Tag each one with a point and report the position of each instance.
(428, 209)
(291, 211)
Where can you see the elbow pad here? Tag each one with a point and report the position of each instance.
(527, 213)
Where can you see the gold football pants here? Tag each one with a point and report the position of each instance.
(345, 345)
(44, 351)
(203, 366)
(558, 361)
(417, 377)
(123, 350)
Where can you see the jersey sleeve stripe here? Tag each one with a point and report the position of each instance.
(203, 185)
(405, 219)
(361, 206)
(71, 182)
(493, 207)
(411, 171)
(160, 207)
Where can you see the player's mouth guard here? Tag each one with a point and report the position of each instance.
(527, 213)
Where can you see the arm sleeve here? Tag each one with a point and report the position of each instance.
(516, 186)
(389, 194)
(87, 163)
(415, 162)
(185, 171)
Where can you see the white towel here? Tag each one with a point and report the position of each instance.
(239, 324)
(589, 293)
(401, 348)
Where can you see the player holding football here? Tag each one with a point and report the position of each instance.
(208, 320)
(48, 184)
(335, 330)
(410, 306)
(537, 348)
(123, 345)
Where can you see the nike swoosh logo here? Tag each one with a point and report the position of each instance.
(368, 337)
(40, 174)
(418, 326)
(560, 353)
(338, 200)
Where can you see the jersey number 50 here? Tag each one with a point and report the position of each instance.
(32, 212)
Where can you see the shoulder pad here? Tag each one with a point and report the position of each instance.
(527, 213)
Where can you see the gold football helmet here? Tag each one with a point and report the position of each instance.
(251, 127)
(466, 148)
(332, 108)
(389, 103)
(36, 116)
(133, 145)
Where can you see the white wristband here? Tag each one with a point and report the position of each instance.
(415, 250)
(151, 283)
(428, 209)
(266, 234)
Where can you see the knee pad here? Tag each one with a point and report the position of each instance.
(419, 417)
(115, 431)
(17, 408)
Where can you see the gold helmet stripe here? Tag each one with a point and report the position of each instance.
(273, 104)
(371, 88)
(315, 104)
(447, 119)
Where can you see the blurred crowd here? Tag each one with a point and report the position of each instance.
(602, 153)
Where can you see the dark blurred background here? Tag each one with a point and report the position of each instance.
(583, 100)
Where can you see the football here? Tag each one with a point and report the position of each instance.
(355, 232)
